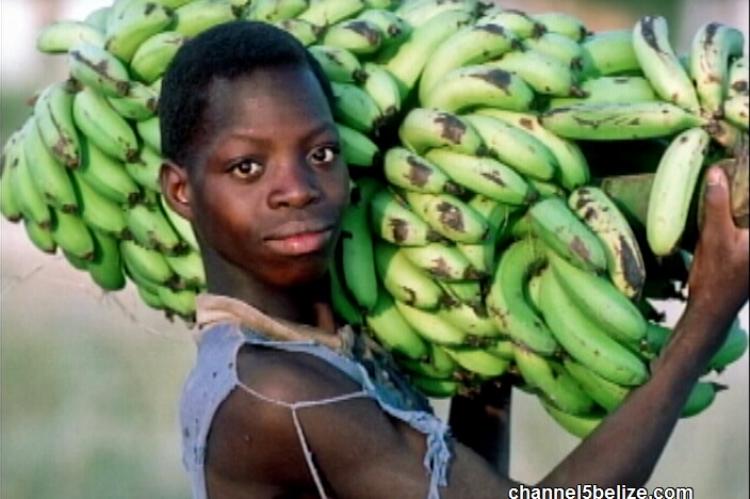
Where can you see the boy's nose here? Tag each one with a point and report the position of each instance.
(296, 186)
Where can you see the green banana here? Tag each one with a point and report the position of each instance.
(153, 56)
(415, 173)
(733, 348)
(674, 183)
(473, 320)
(271, 11)
(467, 292)
(550, 379)
(505, 349)
(140, 20)
(430, 326)
(105, 267)
(610, 89)
(423, 129)
(74, 261)
(40, 237)
(393, 221)
(98, 211)
(737, 111)
(98, 69)
(483, 85)
(559, 47)
(59, 37)
(604, 121)
(470, 46)
(307, 33)
(573, 170)
(518, 23)
(145, 170)
(357, 148)
(9, 203)
(343, 305)
(106, 175)
(403, 279)
(199, 15)
(151, 229)
(438, 365)
(701, 397)
(189, 267)
(358, 36)
(435, 388)
(625, 264)
(420, 12)
(546, 189)
(146, 263)
(449, 216)
(479, 361)
(596, 298)
(506, 300)
(30, 200)
(441, 262)
(533, 288)
(605, 393)
(580, 426)
(514, 146)
(182, 226)
(660, 64)
(583, 340)
(555, 224)
(50, 177)
(390, 328)
(483, 176)
(611, 53)
(140, 104)
(543, 73)
(181, 302)
(394, 28)
(562, 24)
(53, 113)
(149, 296)
(410, 58)
(149, 131)
(738, 77)
(714, 46)
(326, 13)
(383, 88)
(339, 65)
(355, 108)
(101, 124)
(357, 245)
(71, 234)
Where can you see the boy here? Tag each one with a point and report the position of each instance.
(255, 164)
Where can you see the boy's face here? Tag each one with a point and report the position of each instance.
(269, 183)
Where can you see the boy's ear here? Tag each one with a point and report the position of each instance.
(176, 189)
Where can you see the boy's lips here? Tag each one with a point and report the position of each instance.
(300, 238)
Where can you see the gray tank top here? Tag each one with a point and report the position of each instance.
(214, 377)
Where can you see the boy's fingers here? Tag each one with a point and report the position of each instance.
(717, 198)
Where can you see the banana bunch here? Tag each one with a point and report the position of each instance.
(479, 242)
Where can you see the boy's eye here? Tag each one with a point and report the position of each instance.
(324, 154)
(247, 169)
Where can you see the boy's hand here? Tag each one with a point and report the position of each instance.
(718, 279)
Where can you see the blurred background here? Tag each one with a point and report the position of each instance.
(89, 383)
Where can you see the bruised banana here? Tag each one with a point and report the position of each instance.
(559, 47)
(610, 89)
(394, 28)
(600, 301)
(306, 33)
(403, 279)
(515, 147)
(442, 262)
(180, 225)
(140, 104)
(101, 124)
(40, 237)
(424, 129)
(573, 169)
(391, 329)
(518, 23)
(150, 228)
(472, 319)
(479, 361)
(199, 15)
(449, 216)
(562, 24)
(189, 267)
(326, 13)
(105, 268)
(625, 264)
(412, 172)
(660, 64)
(611, 53)
(672, 190)
(338, 64)
(419, 12)
(431, 327)
(545, 74)
(98, 69)
(738, 77)
(555, 224)
(30, 201)
(383, 89)
(134, 25)
(180, 302)
(53, 113)
(106, 175)
(59, 37)
(482, 85)
(607, 121)
(506, 300)
(737, 111)
(584, 341)
(467, 292)
(472, 45)
(483, 176)
(392, 220)
(154, 55)
(145, 169)
(9, 203)
(355, 108)
(437, 365)
(271, 11)
(714, 46)
(358, 36)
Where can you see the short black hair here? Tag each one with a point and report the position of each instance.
(230, 50)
